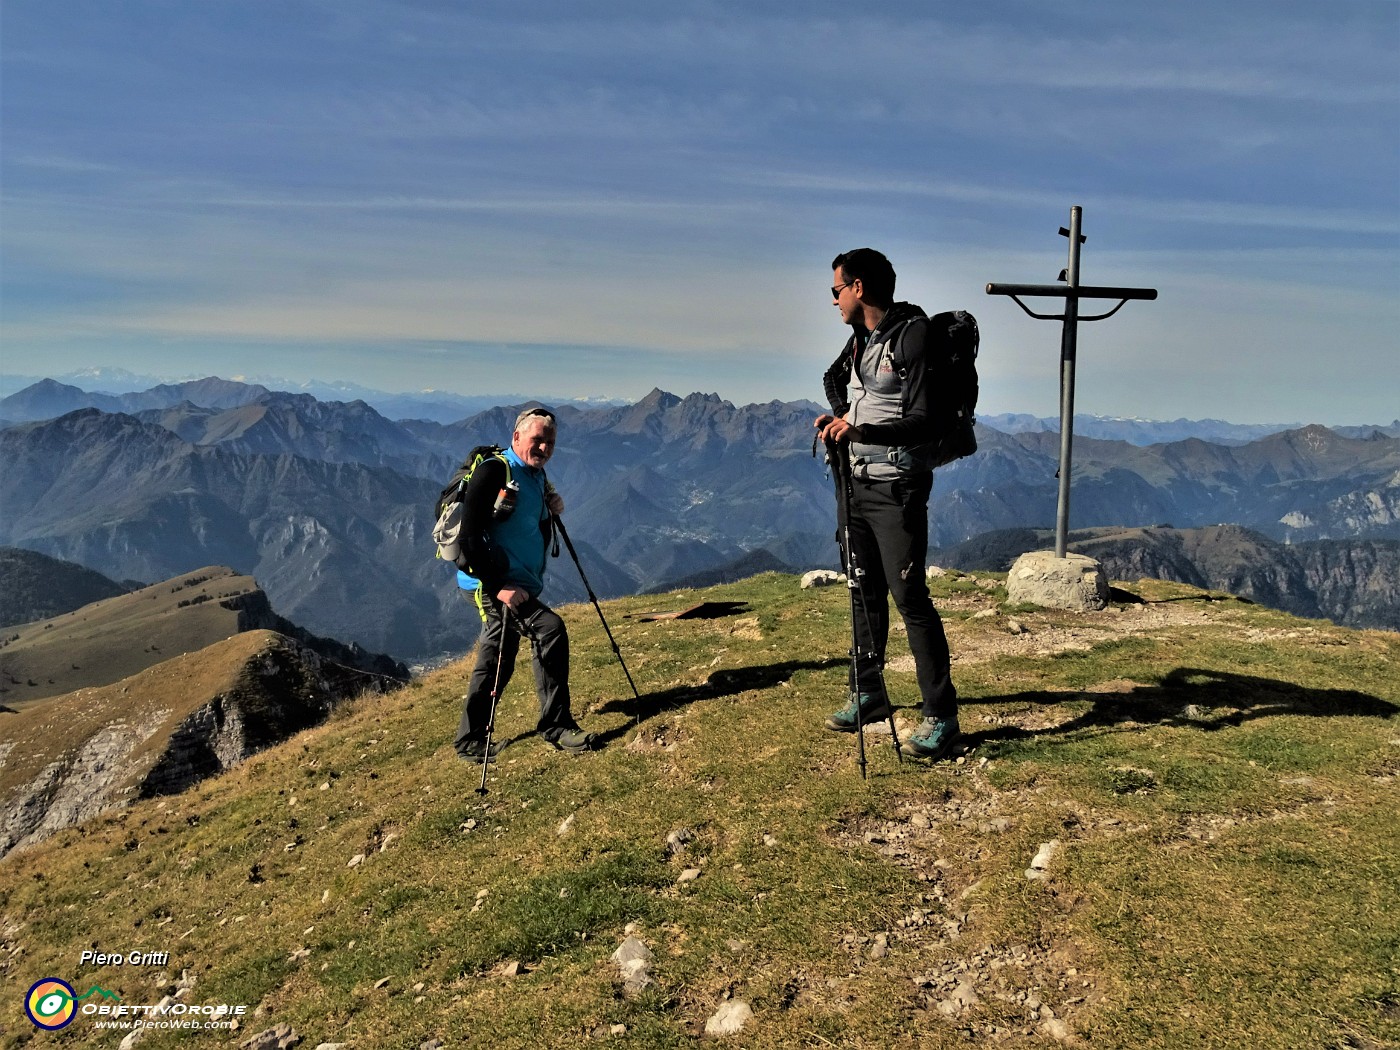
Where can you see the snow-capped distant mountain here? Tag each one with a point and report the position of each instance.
(112, 380)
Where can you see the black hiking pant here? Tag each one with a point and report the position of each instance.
(889, 544)
(497, 648)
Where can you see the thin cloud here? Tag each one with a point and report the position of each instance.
(1161, 210)
(557, 205)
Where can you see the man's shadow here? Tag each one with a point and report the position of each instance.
(1207, 700)
(728, 681)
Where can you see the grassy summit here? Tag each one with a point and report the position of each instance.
(1220, 780)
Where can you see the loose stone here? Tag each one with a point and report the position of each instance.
(729, 1018)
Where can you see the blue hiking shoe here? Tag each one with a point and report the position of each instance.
(872, 709)
(934, 738)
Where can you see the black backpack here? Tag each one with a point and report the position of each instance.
(447, 511)
(951, 347)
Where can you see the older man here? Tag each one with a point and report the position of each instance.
(508, 511)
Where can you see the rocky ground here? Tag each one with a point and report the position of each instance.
(1033, 989)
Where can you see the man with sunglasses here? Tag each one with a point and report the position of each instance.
(507, 525)
(881, 391)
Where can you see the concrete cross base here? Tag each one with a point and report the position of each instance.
(1074, 582)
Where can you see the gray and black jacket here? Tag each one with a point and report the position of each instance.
(881, 383)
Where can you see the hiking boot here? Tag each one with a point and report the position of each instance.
(934, 738)
(872, 709)
(475, 751)
(575, 741)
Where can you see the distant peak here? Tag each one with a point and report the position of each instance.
(659, 398)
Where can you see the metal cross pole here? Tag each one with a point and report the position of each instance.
(1071, 292)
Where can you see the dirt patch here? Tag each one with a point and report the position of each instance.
(981, 638)
(660, 737)
(747, 628)
(994, 992)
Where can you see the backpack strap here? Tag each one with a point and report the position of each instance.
(485, 452)
(547, 523)
(901, 363)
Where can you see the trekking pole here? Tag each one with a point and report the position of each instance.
(507, 620)
(559, 524)
(854, 573)
(842, 464)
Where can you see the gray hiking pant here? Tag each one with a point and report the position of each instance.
(496, 651)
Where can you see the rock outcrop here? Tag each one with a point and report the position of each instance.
(68, 758)
(118, 637)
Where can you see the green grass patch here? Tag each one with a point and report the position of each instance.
(553, 912)
(1220, 782)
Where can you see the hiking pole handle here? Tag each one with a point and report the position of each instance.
(838, 454)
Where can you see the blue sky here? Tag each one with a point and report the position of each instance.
(577, 199)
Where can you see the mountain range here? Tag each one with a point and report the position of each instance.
(327, 504)
(28, 398)
(45, 398)
(1159, 431)
(35, 587)
(1354, 582)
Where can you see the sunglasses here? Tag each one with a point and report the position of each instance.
(836, 291)
(535, 413)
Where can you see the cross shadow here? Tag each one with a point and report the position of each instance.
(728, 681)
(1207, 700)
